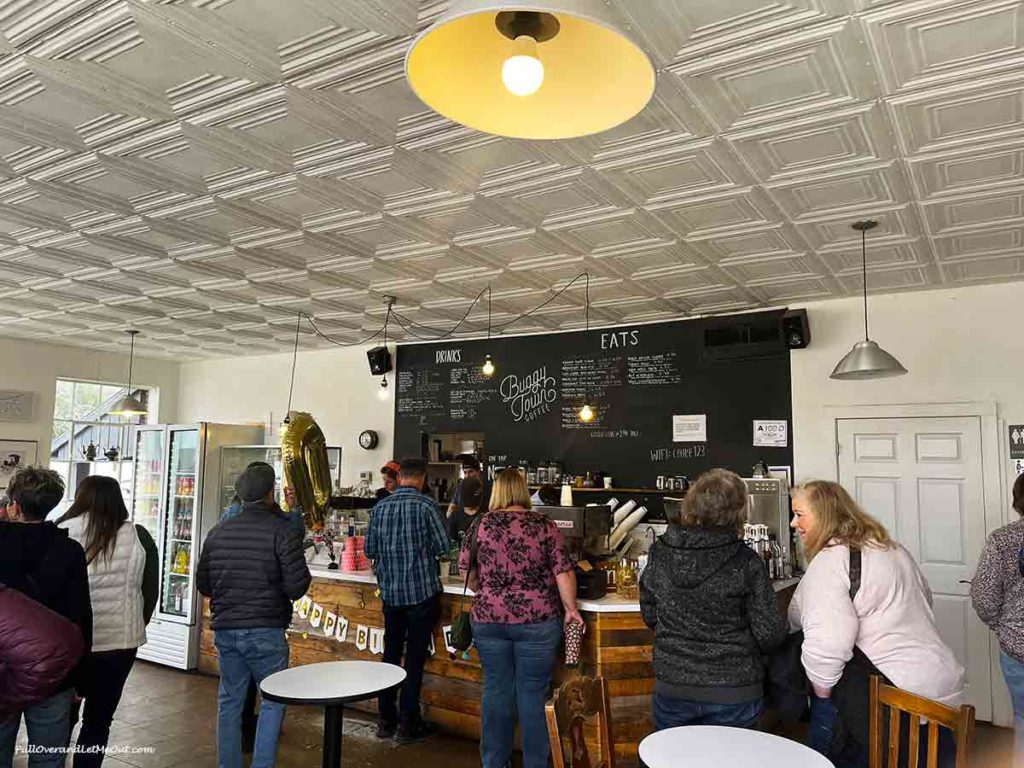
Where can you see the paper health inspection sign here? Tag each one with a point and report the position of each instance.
(771, 434)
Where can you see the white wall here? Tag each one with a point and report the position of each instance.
(959, 345)
(32, 366)
(334, 385)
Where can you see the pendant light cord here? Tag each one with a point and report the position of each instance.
(131, 360)
(864, 263)
(488, 313)
(295, 358)
(587, 306)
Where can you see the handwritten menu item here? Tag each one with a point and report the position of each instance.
(635, 379)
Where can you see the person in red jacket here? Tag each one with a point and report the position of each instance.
(41, 561)
(38, 650)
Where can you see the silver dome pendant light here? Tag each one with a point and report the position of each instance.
(866, 360)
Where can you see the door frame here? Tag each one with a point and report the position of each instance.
(993, 491)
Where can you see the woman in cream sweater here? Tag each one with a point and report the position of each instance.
(889, 618)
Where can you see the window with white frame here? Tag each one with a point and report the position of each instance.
(88, 440)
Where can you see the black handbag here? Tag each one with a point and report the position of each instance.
(462, 628)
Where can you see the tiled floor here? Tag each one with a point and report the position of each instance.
(176, 714)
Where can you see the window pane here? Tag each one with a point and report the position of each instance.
(111, 393)
(84, 435)
(87, 401)
(59, 447)
(62, 402)
(61, 467)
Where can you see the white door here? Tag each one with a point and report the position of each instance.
(922, 477)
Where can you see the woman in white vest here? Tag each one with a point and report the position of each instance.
(123, 576)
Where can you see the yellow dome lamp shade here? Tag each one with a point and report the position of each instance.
(550, 69)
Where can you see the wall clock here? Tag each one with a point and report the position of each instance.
(368, 439)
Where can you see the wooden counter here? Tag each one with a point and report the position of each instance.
(617, 646)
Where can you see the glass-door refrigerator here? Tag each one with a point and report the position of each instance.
(176, 497)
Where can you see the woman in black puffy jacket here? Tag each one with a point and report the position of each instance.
(713, 610)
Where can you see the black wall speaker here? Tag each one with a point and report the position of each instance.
(744, 337)
(380, 360)
(796, 330)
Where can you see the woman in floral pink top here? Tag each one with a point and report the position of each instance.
(525, 586)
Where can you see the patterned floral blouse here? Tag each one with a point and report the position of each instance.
(518, 556)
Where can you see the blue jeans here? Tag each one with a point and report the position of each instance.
(518, 662)
(245, 654)
(49, 727)
(1013, 673)
(672, 713)
(824, 716)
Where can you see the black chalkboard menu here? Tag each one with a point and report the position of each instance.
(661, 407)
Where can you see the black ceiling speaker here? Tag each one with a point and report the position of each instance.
(796, 329)
(380, 360)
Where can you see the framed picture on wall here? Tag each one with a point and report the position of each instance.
(15, 454)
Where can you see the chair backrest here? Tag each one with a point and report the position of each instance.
(960, 720)
(576, 707)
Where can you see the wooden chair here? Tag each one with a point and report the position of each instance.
(575, 704)
(960, 720)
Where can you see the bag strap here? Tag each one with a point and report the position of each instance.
(855, 567)
(472, 539)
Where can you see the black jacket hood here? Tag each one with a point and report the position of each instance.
(699, 553)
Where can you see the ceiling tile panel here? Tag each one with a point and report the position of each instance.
(925, 43)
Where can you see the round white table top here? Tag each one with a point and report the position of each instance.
(331, 682)
(714, 746)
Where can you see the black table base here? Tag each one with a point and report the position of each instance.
(333, 717)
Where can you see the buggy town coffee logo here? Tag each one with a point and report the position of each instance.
(529, 397)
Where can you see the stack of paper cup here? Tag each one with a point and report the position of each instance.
(362, 561)
(350, 555)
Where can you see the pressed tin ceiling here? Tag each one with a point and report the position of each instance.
(204, 170)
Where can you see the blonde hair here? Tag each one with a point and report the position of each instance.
(510, 490)
(840, 518)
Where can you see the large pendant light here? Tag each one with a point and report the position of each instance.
(546, 69)
(867, 360)
(129, 405)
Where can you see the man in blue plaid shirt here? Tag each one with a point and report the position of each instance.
(405, 540)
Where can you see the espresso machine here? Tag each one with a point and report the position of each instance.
(768, 504)
(585, 530)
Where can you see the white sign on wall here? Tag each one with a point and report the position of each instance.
(771, 434)
(690, 429)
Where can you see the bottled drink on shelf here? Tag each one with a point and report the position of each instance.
(179, 599)
(180, 559)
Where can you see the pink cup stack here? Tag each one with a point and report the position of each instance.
(353, 557)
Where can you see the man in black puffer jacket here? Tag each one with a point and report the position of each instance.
(252, 567)
(713, 610)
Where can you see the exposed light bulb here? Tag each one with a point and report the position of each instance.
(382, 393)
(586, 414)
(523, 73)
(488, 368)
